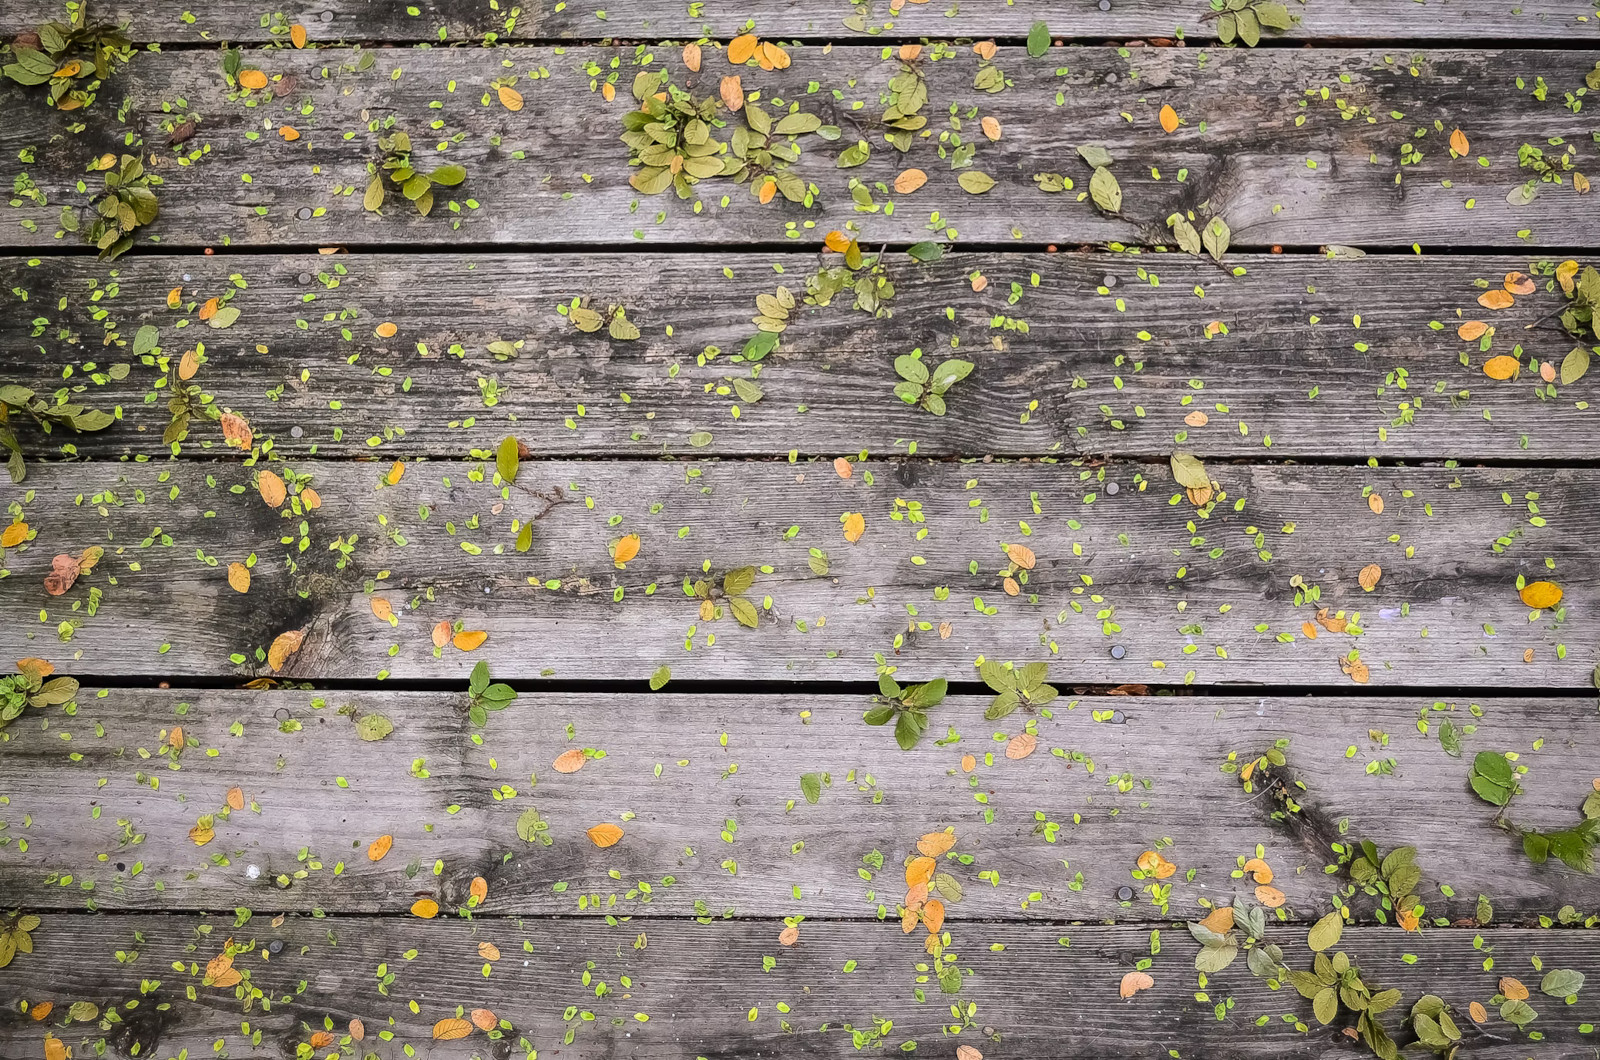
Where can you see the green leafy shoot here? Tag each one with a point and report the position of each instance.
(127, 204)
(483, 697)
(16, 935)
(1014, 687)
(1244, 20)
(927, 389)
(20, 401)
(31, 689)
(1492, 778)
(412, 183)
(1395, 876)
(729, 592)
(71, 58)
(1334, 984)
(906, 706)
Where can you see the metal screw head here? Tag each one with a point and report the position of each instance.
(304, 213)
(1124, 893)
(1117, 717)
(327, 16)
(1105, 5)
(303, 279)
(1111, 78)
(296, 431)
(1112, 489)
(1108, 280)
(275, 946)
(1118, 651)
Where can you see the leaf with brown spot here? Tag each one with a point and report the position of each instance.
(63, 572)
(1270, 896)
(383, 610)
(1519, 283)
(358, 1029)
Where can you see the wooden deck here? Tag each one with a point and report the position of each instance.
(278, 815)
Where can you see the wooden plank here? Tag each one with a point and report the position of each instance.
(1112, 373)
(1263, 148)
(1189, 595)
(1060, 830)
(1448, 21)
(1039, 991)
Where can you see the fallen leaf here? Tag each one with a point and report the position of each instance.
(841, 466)
(838, 242)
(283, 646)
(1513, 989)
(1375, 502)
(1541, 594)
(1458, 142)
(202, 833)
(234, 798)
(236, 432)
(478, 893)
(773, 57)
(386, 330)
(1477, 1012)
(382, 609)
(1022, 556)
(254, 80)
(1369, 576)
(17, 533)
(488, 951)
(239, 577)
(1519, 282)
(289, 133)
(310, 498)
(1259, 870)
(570, 761)
(935, 843)
(604, 835)
(441, 633)
(469, 639)
(920, 871)
(510, 98)
(396, 470)
(426, 908)
(991, 127)
(1356, 670)
(41, 1012)
(691, 57)
(1169, 118)
(789, 936)
(968, 763)
(985, 48)
(321, 1039)
(1270, 897)
(742, 48)
(1134, 982)
(624, 549)
(1471, 331)
(909, 181)
(933, 915)
(855, 524)
(449, 1030)
(1021, 746)
(54, 1048)
(485, 1019)
(297, 35)
(358, 1030)
(63, 572)
(1496, 300)
(272, 489)
(910, 52)
(732, 92)
(379, 848)
(39, 669)
(1197, 419)
(1501, 367)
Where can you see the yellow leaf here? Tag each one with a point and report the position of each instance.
(742, 48)
(773, 57)
(254, 80)
(1565, 272)
(396, 470)
(920, 871)
(297, 35)
(855, 524)
(604, 835)
(1369, 576)
(55, 1048)
(14, 535)
(510, 98)
(239, 577)
(202, 834)
(935, 843)
(426, 908)
(175, 298)
(1541, 594)
(449, 1030)
(283, 646)
(1501, 367)
(379, 848)
(470, 639)
(909, 181)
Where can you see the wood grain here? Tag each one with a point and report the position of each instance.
(105, 809)
(1204, 596)
(1039, 990)
(452, 20)
(1295, 358)
(1291, 147)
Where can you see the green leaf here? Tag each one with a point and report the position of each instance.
(1189, 472)
(1096, 155)
(449, 176)
(974, 182)
(622, 329)
(1002, 705)
(1492, 778)
(1249, 28)
(659, 679)
(854, 155)
(530, 825)
(798, 124)
(759, 345)
(811, 787)
(146, 339)
(949, 373)
(739, 580)
(878, 716)
(929, 694)
(1212, 959)
(479, 679)
(908, 727)
(925, 251)
(224, 317)
(1038, 39)
(1450, 738)
(1574, 365)
(744, 611)
(1227, 28)
(1518, 1012)
(1105, 190)
(1326, 932)
(1216, 237)
(1273, 15)
(372, 201)
(911, 368)
(1561, 982)
(373, 727)
(506, 460)
(1188, 239)
(1325, 1005)
(525, 537)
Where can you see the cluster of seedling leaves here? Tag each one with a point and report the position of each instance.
(670, 139)
(20, 401)
(32, 686)
(1336, 983)
(920, 387)
(734, 585)
(128, 203)
(1212, 238)
(1015, 687)
(16, 935)
(411, 182)
(1582, 289)
(485, 695)
(761, 150)
(1495, 782)
(865, 277)
(614, 319)
(71, 58)
(1243, 20)
(1395, 875)
(906, 706)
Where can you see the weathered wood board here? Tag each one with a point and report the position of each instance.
(105, 808)
(1075, 353)
(1188, 595)
(453, 21)
(676, 989)
(1289, 147)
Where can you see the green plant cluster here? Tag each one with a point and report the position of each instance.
(415, 185)
(20, 401)
(71, 58)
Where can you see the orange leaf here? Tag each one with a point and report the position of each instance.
(321, 1039)
(1496, 300)
(175, 738)
(254, 80)
(1471, 330)
(63, 572)
(449, 1030)
(624, 549)
(1513, 989)
(1541, 594)
(510, 98)
(239, 577)
(991, 127)
(1519, 282)
(469, 639)
(1368, 578)
(910, 52)
(41, 1012)
(855, 524)
(289, 133)
(570, 760)
(773, 57)
(909, 181)
(236, 432)
(14, 535)
(297, 35)
(1270, 897)
(789, 935)
(441, 634)
(691, 57)
(54, 1048)
(1477, 1012)
(484, 1019)
(1375, 502)
(1021, 746)
(175, 298)
(488, 951)
(235, 798)
(742, 48)
(608, 91)
(283, 646)
(1169, 118)
(1458, 142)
(1022, 556)
(1134, 982)
(358, 1029)
(1501, 367)
(732, 91)
(272, 489)
(381, 608)
(843, 467)
(35, 669)
(379, 848)
(933, 915)
(604, 835)
(478, 892)
(396, 470)
(985, 49)
(426, 908)
(769, 190)
(310, 498)
(1259, 869)
(838, 242)
(1197, 419)
(908, 920)
(968, 763)
(208, 309)
(1219, 919)
(935, 843)
(386, 330)
(920, 871)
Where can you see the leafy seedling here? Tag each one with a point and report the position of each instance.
(906, 706)
(614, 320)
(920, 387)
(16, 935)
(482, 696)
(411, 182)
(19, 401)
(1433, 1025)
(1335, 983)
(1244, 20)
(734, 585)
(669, 137)
(1015, 687)
(127, 204)
(29, 688)
(1395, 876)
(71, 58)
